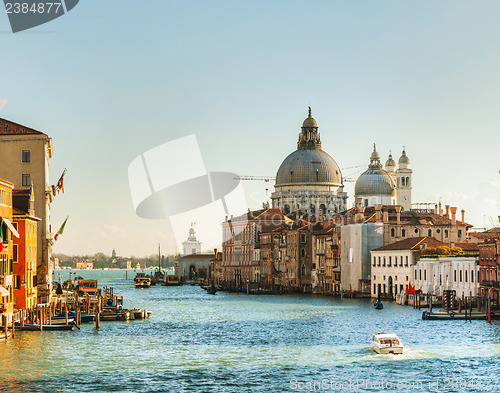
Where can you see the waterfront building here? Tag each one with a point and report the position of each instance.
(489, 269)
(241, 257)
(28, 152)
(192, 263)
(326, 259)
(25, 249)
(368, 227)
(7, 232)
(392, 263)
(458, 273)
(358, 238)
(309, 179)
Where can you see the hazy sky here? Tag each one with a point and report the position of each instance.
(114, 78)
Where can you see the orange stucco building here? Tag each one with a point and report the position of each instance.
(24, 253)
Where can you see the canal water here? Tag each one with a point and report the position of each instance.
(238, 343)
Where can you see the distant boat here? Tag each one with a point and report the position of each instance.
(171, 280)
(142, 281)
(378, 305)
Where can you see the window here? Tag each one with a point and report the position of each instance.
(26, 156)
(466, 276)
(459, 233)
(396, 261)
(455, 275)
(403, 233)
(429, 232)
(14, 253)
(425, 274)
(378, 261)
(303, 252)
(415, 274)
(384, 262)
(393, 232)
(446, 233)
(26, 180)
(420, 275)
(406, 262)
(302, 237)
(390, 261)
(303, 270)
(472, 276)
(374, 261)
(460, 276)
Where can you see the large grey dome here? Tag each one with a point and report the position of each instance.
(309, 166)
(374, 182)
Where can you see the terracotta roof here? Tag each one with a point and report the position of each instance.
(413, 243)
(468, 246)
(8, 127)
(407, 217)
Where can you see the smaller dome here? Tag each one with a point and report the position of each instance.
(375, 156)
(309, 122)
(374, 182)
(390, 162)
(404, 158)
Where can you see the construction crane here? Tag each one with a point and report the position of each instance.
(264, 178)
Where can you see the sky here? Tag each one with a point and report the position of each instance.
(113, 79)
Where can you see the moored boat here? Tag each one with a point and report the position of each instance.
(71, 314)
(378, 305)
(385, 343)
(36, 327)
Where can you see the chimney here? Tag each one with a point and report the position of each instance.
(386, 215)
(440, 209)
(453, 215)
(436, 211)
(463, 215)
(398, 214)
(215, 252)
(447, 211)
(360, 216)
(378, 211)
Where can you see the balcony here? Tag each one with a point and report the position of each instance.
(489, 283)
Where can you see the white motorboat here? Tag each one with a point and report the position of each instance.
(386, 343)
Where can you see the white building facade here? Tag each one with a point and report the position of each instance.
(459, 274)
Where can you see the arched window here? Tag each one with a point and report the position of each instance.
(303, 253)
(407, 182)
(322, 209)
(402, 181)
(303, 270)
(374, 261)
(378, 261)
(393, 232)
(459, 233)
(312, 209)
(403, 233)
(429, 232)
(287, 209)
(446, 234)
(472, 276)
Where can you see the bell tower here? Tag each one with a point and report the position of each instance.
(403, 182)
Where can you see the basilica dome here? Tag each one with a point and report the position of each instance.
(374, 181)
(309, 166)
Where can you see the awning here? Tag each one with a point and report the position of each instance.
(3, 291)
(10, 226)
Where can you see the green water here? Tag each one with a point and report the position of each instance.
(239, 343)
